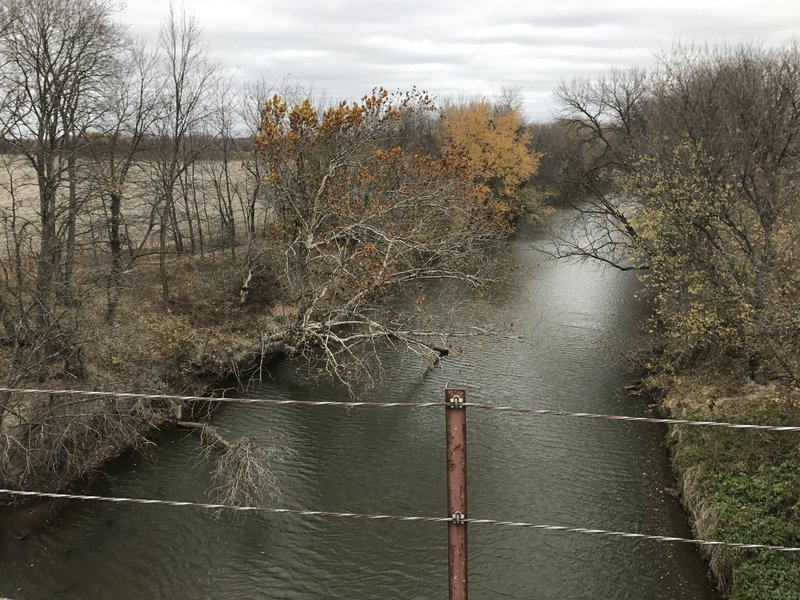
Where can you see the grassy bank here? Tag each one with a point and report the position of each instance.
(740, 486)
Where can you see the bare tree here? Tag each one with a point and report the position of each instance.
(131, 111)
(510, 99)
(57, 54)
(250, 98)
(603, 119)
(224, 172)
(189, 80)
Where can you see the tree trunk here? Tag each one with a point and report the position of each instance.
(176, 231)
(192, 245)
(115, 244)
(46, 262)
(162, 258)
(72, 212)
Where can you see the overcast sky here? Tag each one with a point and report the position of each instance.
(344, 48)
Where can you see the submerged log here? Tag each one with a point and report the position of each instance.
(206, 431)
(441, 350)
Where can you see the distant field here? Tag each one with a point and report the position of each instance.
(199, 200)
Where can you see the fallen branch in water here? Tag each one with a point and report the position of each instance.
(242, 469)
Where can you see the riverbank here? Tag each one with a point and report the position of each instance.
(739, 486)
(203, 337)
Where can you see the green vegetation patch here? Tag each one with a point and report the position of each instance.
(744, 487)
(764, 508)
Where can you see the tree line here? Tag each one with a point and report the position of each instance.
(688, 173)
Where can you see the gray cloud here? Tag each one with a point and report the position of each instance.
(344, 48)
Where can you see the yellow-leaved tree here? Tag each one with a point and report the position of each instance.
(493, 147)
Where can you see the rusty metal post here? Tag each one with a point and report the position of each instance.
(456, 424)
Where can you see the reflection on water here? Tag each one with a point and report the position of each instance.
(570, 326)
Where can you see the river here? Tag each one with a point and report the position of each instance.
(567, 331)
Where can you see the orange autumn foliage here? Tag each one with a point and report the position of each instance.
(492, 147)
(351, 160)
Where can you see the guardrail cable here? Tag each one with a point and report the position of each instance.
(381, 517)
(410, 405)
